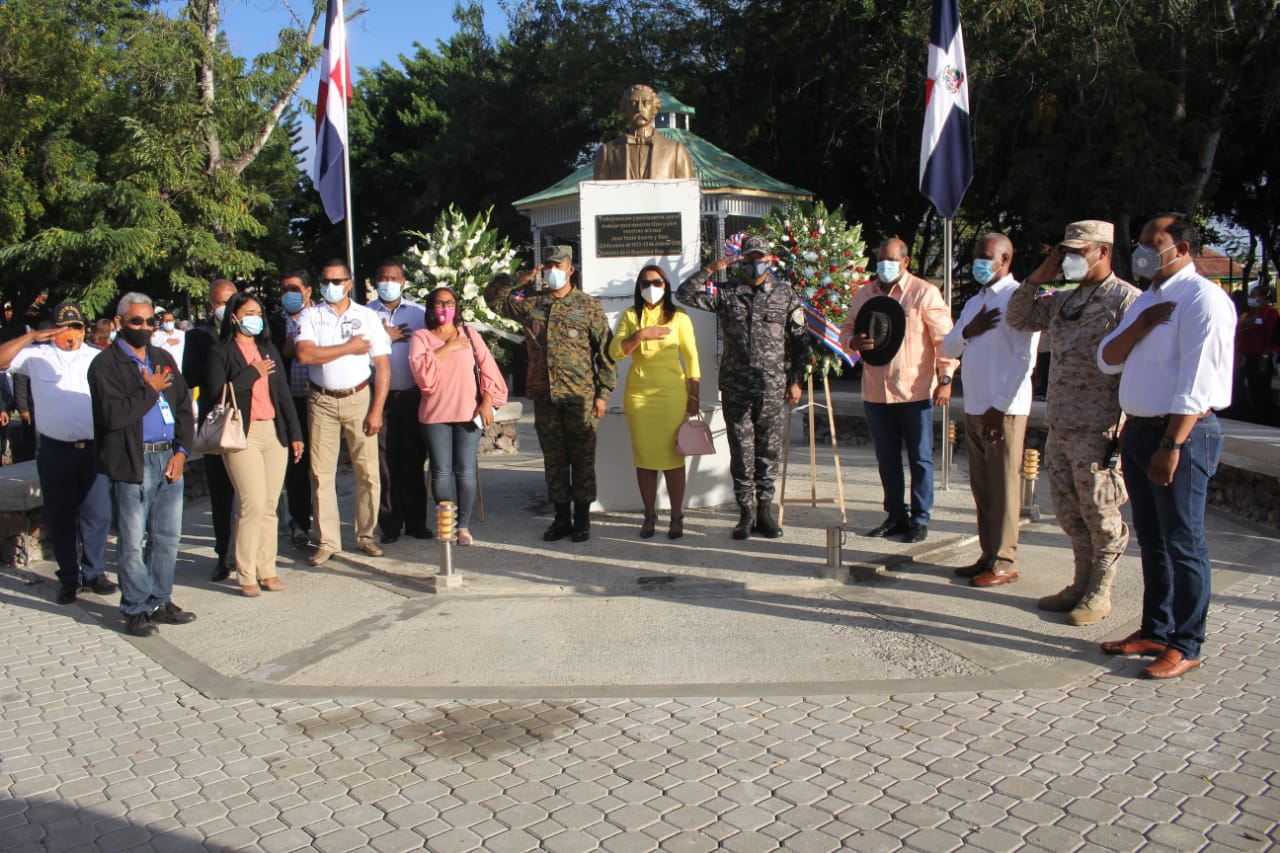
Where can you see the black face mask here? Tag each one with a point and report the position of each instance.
(136, 338)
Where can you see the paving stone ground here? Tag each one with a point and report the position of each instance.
(102, 748)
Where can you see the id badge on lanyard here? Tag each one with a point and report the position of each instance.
(166, 413)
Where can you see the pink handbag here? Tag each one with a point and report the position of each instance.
(693, 438)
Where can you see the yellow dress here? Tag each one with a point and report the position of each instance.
(656, 396)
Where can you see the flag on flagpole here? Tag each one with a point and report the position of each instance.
(330, 171)
(824, 331)
(946, 146)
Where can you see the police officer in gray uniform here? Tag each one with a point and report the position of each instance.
(766, 354)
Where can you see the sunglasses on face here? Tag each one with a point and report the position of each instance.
(78, 327)
(329, 281)
(653, 282)
(139, 322)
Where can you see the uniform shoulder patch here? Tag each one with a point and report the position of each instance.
(797, 316)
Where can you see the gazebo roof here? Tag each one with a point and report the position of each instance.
(717, 170)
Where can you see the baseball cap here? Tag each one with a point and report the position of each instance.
(560, 253)
(756, 243)
(68, 313)
(1086, 231)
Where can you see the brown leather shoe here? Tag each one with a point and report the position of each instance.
(1133, 644)
(994, 577)
(1170, 664)
(973, 569)
(272, 584)
(250, 590)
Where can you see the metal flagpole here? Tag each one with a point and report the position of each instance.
(946, 408)
(346, 182)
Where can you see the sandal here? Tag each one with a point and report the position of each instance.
(677, 527)
(646, 529)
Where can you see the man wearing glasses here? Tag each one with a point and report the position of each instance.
(77, 500)
(142, 414)
(1083, 410)
(340, 341)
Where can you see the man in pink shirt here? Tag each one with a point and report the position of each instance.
(899, 397)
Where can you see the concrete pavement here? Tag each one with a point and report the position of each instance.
(639, 695)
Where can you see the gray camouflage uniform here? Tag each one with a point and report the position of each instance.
(766, 348)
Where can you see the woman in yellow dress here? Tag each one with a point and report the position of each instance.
(660, 391)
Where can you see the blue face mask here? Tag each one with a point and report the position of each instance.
(333, 293)
(758, 268)
(292, 301)
(251, 325)
(983, 271)
(389, 291)
(888, 271)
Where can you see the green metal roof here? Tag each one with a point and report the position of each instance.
(669, 103)
(717, 170)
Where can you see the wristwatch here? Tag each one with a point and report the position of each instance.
(944, 380)
(1167, 443)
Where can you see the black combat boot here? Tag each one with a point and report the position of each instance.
(743, 530)
(581, 521)
(560, 526)
(766, 524)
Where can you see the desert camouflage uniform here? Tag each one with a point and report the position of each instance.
(569, 366)
(1083, 412)
(766, 348)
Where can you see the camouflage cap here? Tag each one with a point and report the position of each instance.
(756, 244)
(68, 313)
(1086, 231)
(558, 254)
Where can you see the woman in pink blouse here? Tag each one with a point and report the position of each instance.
(461, 388)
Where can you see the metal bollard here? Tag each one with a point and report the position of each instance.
(835, 546)
(446, 533)
(1030, 473)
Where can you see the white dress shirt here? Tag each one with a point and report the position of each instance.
(59, 389)
(161, 338)
(408, 314)
(324, 327)
(996, 365)
(1184, 366)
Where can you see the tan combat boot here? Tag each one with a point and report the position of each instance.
(1096, 603)
(1068, 597)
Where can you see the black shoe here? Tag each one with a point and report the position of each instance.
(101, 586)
(67, 593)
(890, 527)
(221, 572)
(388, 538)
(581, 521)
(171, 614)
(917, 533)
(743, 528)
(560, 527)
(140, 625)
(420, 533)
(766, 526)
(298, 536)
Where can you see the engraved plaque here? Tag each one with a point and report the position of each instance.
(638, 235)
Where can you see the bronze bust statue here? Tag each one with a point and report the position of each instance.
(642, 154)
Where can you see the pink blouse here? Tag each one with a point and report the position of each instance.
(449, 384)
(263, 408)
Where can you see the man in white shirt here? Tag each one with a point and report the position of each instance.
(77, 497)
(340, 341)
(169, 337)
(1174, 352)
(401, 450)
(995, 362)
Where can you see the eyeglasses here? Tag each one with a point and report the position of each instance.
(329, 281)
(79, 327)
(653, 282)
(139, 322)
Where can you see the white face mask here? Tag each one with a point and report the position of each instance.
(653, 294)
(555, 278)
(1075, 267)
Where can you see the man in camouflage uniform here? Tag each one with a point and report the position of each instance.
(766, 354)
(570, 378)
(1083, 410)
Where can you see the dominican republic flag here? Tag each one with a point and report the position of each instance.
(946, 146)
(331, 116)
(828, 334)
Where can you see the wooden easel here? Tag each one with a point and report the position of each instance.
(813, 500)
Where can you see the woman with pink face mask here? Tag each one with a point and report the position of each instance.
(462, 387)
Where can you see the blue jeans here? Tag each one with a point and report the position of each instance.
(1169, 521)
(77, 504)
(891, 426)
(453, 464)
(148, 526)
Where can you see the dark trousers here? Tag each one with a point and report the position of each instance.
(221, 495)
(297, 475)
(755, 426)
(567, 434)
(77, 507)
(1169, 521)
(893, 426)
(401, 457)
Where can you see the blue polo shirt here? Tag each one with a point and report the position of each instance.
(153, 426)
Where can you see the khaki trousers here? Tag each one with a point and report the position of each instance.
(995, 477)
(257, 473)
(334, 419)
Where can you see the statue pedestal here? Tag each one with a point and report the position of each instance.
(625, 226)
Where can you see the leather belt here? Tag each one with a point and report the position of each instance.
(1157, 421)
(78, 445)
(341, 392)
(157, 446)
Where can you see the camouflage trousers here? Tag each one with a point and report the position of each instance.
(567, 433)
(754, 425)
(1087, 496)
